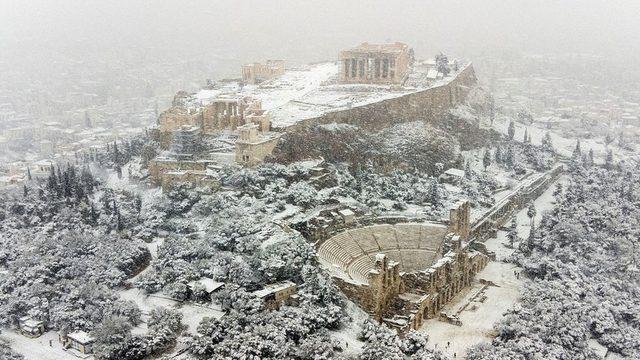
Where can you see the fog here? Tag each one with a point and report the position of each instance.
(126, 59)
(232, 32)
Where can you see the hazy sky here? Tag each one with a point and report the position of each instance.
(302, 31)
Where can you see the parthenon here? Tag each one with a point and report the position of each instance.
(376, 64)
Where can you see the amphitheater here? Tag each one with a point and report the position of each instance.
(351, 254)
(403, 273)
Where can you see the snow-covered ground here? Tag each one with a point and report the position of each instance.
(564, 146)
(478, 318)
(311, 91)
(193, 313)
(347, 337)
(45, 347)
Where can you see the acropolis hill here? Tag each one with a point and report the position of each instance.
(241, 121)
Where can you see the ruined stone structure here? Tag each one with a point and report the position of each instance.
(174, 118)
(183, 126)
(186, 141)
(255, 73)
(225, 112)
(229, 112)
(185, 166)
(376, 64)
(501, 212)
(293, 100)
(404, 273)
(459, 222)
(193, 178)
(253, 146)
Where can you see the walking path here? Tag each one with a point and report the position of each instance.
(45, 347)
(480, 316)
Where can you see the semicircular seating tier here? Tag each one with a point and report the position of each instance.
(351, 254)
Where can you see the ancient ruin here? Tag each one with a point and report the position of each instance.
(240, 121)
(404, 273)
(251, 146)
(256, 73)
(222, 112)
(376, 64)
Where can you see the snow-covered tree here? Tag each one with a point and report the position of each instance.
(547, 143)
(486, 159)
(561, 311)
(608, 162)
(442, 64)
(577, 152)
(509, 160)
(111, 337)
(512, 233)
(591, 160)
(434, 192)
(6, 353)
(498, 155)
(531, 213)
(467, 170)
(511, 131)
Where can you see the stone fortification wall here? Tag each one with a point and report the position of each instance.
(426, 105)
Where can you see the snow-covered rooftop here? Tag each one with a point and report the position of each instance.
(346, 212)
(28, 322)
(455, 172)
(81, 337)
(274, 288)
(209, 284)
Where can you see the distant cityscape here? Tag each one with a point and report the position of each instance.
(561, 95)
(82, 103)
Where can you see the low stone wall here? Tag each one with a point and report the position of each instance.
(197, 178)
(487, 225)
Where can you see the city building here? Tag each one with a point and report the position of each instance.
(452, 176)
(206, 285)
(78, 340)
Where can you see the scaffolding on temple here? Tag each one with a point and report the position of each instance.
(186, 142)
